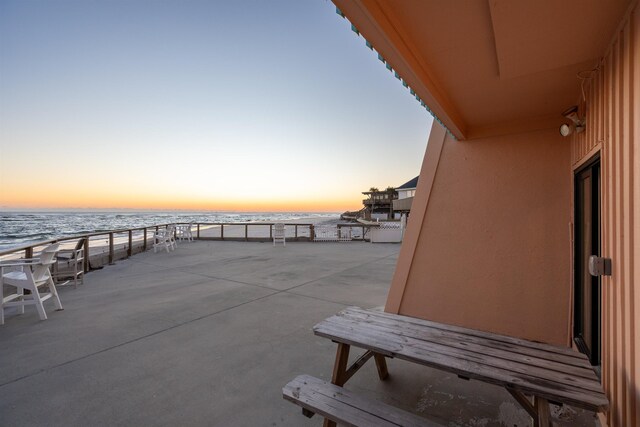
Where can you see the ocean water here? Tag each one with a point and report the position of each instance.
(17, 228)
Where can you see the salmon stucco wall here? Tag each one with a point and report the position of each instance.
(487, 244)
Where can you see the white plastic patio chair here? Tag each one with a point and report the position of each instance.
(184, 232)
(73, 260)
(165, 237)
(30, 274)
(278, 234)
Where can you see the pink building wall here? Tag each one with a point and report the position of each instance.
(490, 250)
(489, 244)
(612, 107)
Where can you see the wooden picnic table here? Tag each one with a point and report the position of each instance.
(524, 368)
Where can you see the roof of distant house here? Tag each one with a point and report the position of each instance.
(409, 184)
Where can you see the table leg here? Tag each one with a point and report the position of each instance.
(524, 402)
(544, 414)
(339, 372)
(381, 364)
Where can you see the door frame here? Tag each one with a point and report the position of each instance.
(594, 353)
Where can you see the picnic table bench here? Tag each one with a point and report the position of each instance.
(525, 368)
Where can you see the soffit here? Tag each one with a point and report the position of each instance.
(547, 34)
(483, 65)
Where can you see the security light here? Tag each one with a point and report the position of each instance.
(565, 130)
(578, 124)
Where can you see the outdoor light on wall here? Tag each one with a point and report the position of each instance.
(578, 124)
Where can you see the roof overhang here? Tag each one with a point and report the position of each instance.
(488, 67)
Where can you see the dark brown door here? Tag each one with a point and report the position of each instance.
(587, 329)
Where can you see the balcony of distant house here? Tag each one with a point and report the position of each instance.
(379, 198)
(402, 205)
(405, 192)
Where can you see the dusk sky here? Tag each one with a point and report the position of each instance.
(197, 105)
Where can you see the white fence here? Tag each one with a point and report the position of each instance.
(388, 232)
(332, 234)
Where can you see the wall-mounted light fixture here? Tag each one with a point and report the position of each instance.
(577, 125)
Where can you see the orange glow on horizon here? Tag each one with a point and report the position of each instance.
(187, 187)
(54, 200)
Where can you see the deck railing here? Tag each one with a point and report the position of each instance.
(106, 247)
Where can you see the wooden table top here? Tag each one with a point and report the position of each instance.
(558, 374)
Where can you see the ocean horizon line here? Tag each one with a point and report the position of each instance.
(159, 210)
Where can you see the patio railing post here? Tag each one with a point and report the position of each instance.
(86, 264)
(222, 231)
(111, 251)
(198, 231)
(144, 244)
(130, 248)
(311, 232)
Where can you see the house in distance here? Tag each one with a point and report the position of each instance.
(406, 192)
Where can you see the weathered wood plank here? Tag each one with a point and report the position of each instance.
(473, 332)
(576, 365)
(468, 351)
(537, 359)
(388, 343)
(383, 340)
(346, 407)
(417, 352)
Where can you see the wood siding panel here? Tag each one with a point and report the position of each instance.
(613, 122)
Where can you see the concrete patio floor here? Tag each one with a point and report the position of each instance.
(209, 334)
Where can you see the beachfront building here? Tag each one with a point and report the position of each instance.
(406, 193)
(379, 203)
(532, 167)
